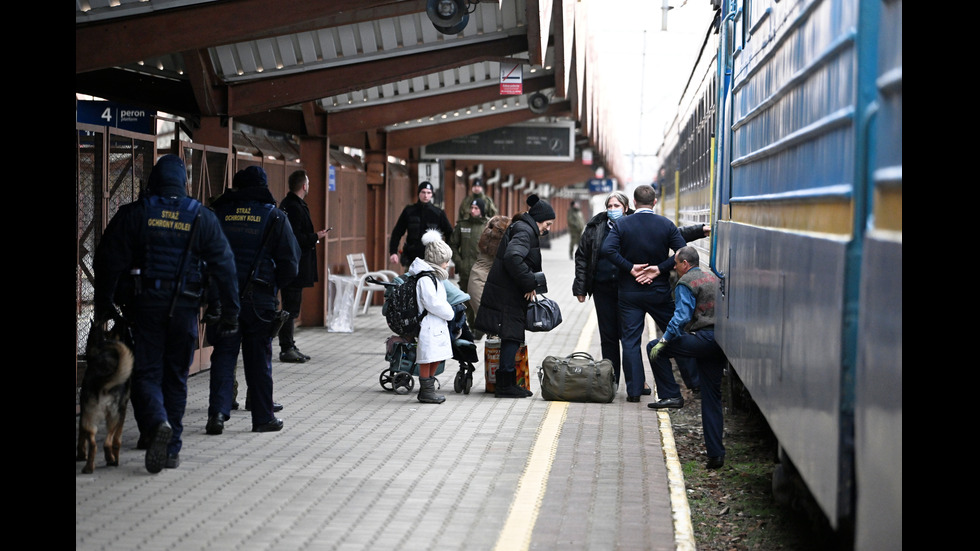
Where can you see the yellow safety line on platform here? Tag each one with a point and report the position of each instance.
(524, 509)
(530, 489)
(683, 529)
(523, 514)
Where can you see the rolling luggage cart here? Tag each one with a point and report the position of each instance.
(400, 374)
(401, 370)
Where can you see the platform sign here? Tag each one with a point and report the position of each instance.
(550, 141)
(332, 179)
(511, 79)
(431, 172)
(600, 185)
(116, 115)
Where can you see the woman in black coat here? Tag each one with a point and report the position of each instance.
(510, 285)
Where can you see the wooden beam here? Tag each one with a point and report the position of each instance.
(440, 132)
(284, 90)
(212, 96)
(360, 119)
(114, 42)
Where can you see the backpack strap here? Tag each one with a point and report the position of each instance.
(435, 283)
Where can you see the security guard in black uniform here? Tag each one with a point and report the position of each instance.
(267, 258)
(149, 262)
(416, 219)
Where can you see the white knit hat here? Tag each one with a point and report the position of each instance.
(437, 251)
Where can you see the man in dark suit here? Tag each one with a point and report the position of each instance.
(294, 205)
(639, 245)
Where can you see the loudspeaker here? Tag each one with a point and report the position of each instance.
(447, 16)
(538, 103)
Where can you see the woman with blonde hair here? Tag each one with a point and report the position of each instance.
(596, 276)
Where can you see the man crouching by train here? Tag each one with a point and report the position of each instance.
(691, 334)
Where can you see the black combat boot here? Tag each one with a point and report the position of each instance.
(506, 386)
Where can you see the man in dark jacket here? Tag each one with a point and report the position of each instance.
(510, 285)
(155, 246)
(295, 207)
(266, 259)
(596, 276)
(636, 242)
(415, 219)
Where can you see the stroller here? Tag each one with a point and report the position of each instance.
(401, 370)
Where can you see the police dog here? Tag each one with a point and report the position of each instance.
(105, 392)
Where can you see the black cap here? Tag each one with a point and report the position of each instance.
(481, 204)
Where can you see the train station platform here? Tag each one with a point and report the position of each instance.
(359, 467)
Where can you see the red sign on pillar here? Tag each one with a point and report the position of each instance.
(511, 79)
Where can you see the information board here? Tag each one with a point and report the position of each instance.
(601, 185)
(553, 141)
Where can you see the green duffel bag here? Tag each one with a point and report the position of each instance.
(577, 378)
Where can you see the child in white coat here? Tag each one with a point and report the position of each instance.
(435, 341)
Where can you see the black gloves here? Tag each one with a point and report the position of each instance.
(227, 326)
(212, 314)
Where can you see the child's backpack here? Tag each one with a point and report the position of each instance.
(401, 306)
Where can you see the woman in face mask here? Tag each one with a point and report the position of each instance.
(596, 276)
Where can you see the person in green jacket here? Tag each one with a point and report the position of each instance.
(476, 192)
(464, 241)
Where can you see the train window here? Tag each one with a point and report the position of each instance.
(758, 21)
(738, 30)
(746, 14)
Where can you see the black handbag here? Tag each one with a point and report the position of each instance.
(543, 314)
(577, 378)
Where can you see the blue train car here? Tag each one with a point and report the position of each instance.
(803, 167)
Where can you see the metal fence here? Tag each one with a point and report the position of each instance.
(111, 167)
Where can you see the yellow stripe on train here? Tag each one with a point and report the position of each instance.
(826, 216)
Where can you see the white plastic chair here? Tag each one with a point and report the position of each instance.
(357, 263)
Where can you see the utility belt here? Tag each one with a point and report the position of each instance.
(256, 286)
(191, 289)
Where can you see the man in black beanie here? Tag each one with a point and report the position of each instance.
(157, 245)
(415, 219)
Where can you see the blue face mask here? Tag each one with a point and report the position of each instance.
(614, 214)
